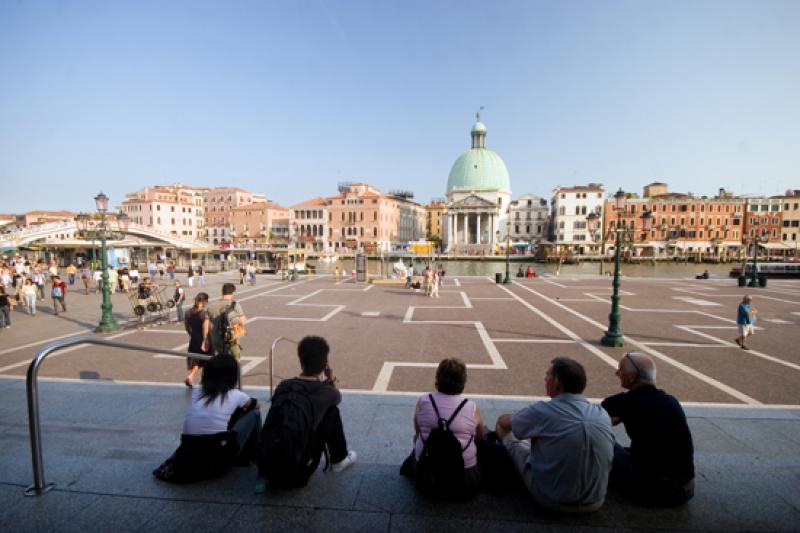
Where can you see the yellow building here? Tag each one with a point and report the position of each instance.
(434, 212)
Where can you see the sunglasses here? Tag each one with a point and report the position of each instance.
(638, 370)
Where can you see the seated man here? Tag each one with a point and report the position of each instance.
(562, 448)
(304, 421)
(658, 468)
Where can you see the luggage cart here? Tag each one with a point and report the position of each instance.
(151, 303)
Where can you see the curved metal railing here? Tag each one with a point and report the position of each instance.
(40, 486)
(272, 364)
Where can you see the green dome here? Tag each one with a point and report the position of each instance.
(478, 168)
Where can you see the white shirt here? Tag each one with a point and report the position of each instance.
(213, 418)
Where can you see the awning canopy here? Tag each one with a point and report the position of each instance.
(775, 246)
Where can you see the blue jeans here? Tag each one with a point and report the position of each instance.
(179, 312)
(247, 428)
(5, 315)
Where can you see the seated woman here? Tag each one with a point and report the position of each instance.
(446, 427)
(220, 429)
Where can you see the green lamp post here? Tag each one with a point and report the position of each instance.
(613, 336)
(754, 271)
(507, 279)
(103, 231)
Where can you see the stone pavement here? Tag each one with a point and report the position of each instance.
(101, 441)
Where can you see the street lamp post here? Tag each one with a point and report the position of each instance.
(754, 271)
(102, 231)
(507, 279)
(613, 336)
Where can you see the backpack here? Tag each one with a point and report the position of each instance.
(227, 332)
(57, 293)
(440, 469)
(287, 453)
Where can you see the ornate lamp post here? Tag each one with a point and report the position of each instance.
(102, 230)
(592, 223)
(613, 336)
(754, 272)
(507, 279)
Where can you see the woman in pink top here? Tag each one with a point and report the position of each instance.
(467, 426)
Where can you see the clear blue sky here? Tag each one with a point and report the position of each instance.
(288, 98)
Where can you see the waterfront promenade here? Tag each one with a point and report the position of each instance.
(109, 417)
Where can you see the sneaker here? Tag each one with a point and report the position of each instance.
(345, 463)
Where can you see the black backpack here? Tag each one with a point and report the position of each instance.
(225, 329)
(287, 453)
(440, 469)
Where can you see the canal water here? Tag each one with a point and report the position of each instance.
(489, 268)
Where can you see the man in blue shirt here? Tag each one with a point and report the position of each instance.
(745, 319)
(562, 448)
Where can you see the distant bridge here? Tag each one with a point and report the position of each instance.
(68, 230)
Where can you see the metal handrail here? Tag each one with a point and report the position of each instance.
(39, 486)
(272, 365)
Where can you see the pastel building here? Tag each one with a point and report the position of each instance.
(434, 217)
(361, 217)
(478, 197)
(219, 202)
(570, 207)
(764, 218)
(308, 224)
(683, 226)
(790, 224)
(528, 221)
(171, 209)
(258, 225)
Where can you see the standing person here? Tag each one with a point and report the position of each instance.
(53, 270)
(435, 284)
(242, 272)
(151, 269)
(338, 273)
(251, 273)
(563, 449)
(98, 281)
(190, 276)
(198, 327)
(201, 276)
(464, 421)
(220, 428)
(160, 267)
(179, 298)
(745, 319)
(171, 270)
(58, 292)
(38, 279)
(6, 305)
(125, 281)
(86, 275)
(315, 394)
(72, 270)
(440, 274)
(428, 279)
(113, 279)
(29, 292)
(227, 323)
(658, 468)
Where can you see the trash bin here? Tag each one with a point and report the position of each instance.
(762, 280)
(742, 281)
(498, 277)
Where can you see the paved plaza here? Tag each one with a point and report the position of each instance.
(110, 416)
(387, 339)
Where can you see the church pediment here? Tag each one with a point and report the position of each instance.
(472, 201)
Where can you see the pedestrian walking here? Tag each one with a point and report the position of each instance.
(745, 320)
(38, 279)
(6, 305)
(29, 293)
(201, 276)
(251, 273)
(151, 269)
(58, 292)
(435, 285)
(86, 275)
(198, 326)
(171, 270)
(72, 270)
(179, 298)
(190, 276)
(242, 272)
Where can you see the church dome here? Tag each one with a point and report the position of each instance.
(478, 168)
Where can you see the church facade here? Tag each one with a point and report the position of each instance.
(477, 199)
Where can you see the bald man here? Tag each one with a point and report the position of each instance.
(658, 468)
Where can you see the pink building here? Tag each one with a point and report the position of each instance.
(361, 217)
(42, 217)
(259, 224)
(219, 202)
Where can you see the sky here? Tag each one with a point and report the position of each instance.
(289, 98)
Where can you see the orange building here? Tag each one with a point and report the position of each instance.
(764, 218)
(258, 224)
(683, 226)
